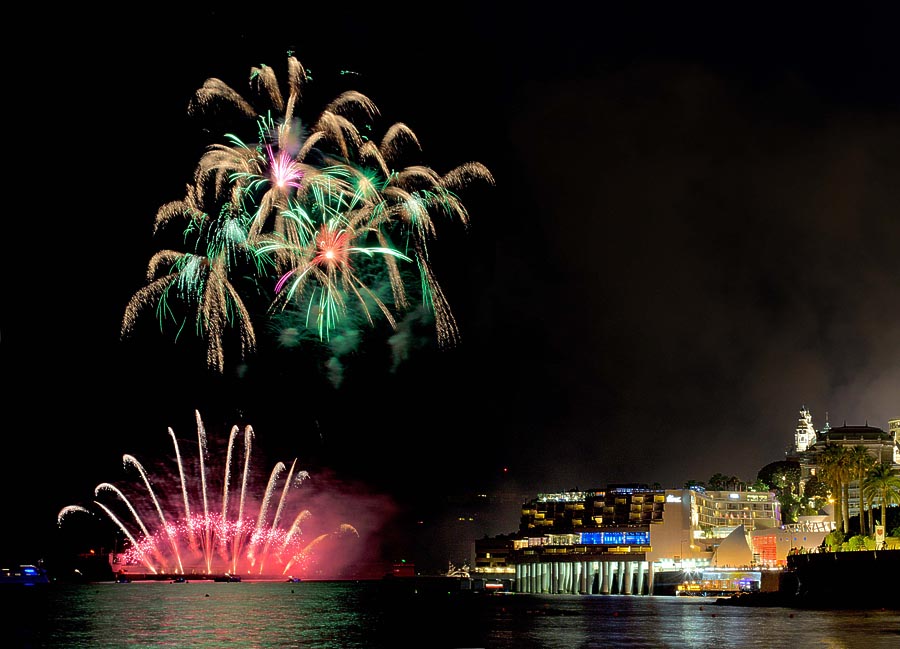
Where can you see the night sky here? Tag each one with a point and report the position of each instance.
(694, 232)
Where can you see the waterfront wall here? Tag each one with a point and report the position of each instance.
(869, 577)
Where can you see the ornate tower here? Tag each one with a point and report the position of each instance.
(805, 435)
(894, 430)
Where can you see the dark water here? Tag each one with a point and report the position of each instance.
(364, 615)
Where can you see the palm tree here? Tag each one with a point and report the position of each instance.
(862, 461)
(833, 469)
(883, 484)
(870, 504)
(846, 474)
(718, 482)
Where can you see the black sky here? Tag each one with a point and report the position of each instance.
(694, 232)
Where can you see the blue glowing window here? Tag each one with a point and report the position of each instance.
(615, 538)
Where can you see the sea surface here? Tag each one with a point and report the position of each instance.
(380, 614)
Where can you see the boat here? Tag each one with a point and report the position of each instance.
(180, 580)
(294, 580)
(24, 575)
(227, 577)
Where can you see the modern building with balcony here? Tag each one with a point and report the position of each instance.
(634, 539)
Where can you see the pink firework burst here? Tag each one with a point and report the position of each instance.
(214, 520)
(285, 171)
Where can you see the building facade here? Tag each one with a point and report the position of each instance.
(883, 446)
(894, 430)
(621, 539)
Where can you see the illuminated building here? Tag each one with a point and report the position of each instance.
(638, 540)
(881, 445)
(619, 539)
(894, 431)
(594, 541)
(805, 434)
(772, 546)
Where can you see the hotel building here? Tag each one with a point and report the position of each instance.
(622, 539)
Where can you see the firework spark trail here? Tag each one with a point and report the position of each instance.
(207, 533)
(184, 491)
(130, 459)
(343, 529)
(263, 510)
(239, 534)
(226, 480)
(305, 551)
(151, 547)
(277, 519)
(137, 517)
(346, 528)
(128, 535)
(70, 509)
(295, 527)
(227, 477)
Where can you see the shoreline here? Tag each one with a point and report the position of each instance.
(864, 579)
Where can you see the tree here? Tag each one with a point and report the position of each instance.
(790, 506)
(783, 477)
(862, 461)
(759, 485)
(884, 485)
(815, 495)
(833, 469)
(717, 482)
(780, 474)
(834, 540)
(846, 472)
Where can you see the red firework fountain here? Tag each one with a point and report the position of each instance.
(236, 532)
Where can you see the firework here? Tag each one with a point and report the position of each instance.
(314, 219)
(200, 279)
(176, 527)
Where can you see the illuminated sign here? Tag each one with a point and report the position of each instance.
(673, 499)
(615, 538)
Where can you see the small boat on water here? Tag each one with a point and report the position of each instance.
(294, 580)
(227, 577)
(180, 580)
(24, 575)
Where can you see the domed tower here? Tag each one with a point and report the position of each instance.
(805, 434)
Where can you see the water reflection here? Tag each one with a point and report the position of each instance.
(373, 615)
